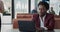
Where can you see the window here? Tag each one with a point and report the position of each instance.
(55, 4)
(24, 6)
(21, 6)
(32, 4)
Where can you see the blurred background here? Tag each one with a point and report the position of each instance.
(11, 8)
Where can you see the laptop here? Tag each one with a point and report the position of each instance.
(26, 25)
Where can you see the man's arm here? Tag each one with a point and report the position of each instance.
(51, 23)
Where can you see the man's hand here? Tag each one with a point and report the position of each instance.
(38, 28)
(45, 28)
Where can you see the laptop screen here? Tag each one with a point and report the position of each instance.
(26, 25)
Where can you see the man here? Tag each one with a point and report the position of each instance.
(43, 20)
(52, 11)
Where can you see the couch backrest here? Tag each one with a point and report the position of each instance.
(57, 22)
(25, 17)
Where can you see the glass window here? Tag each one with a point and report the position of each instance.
(32, 4)
(55, 5)
(21, 6)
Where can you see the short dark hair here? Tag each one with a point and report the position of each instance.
(44, 3)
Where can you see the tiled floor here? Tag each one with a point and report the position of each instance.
(57, 30)
(9, 28)
(6, 28)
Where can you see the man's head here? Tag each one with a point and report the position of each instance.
(43, 7)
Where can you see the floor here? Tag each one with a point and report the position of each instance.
(9, 28)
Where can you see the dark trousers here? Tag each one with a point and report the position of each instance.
(43, 30)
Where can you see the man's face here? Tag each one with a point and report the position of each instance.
(41, 10)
